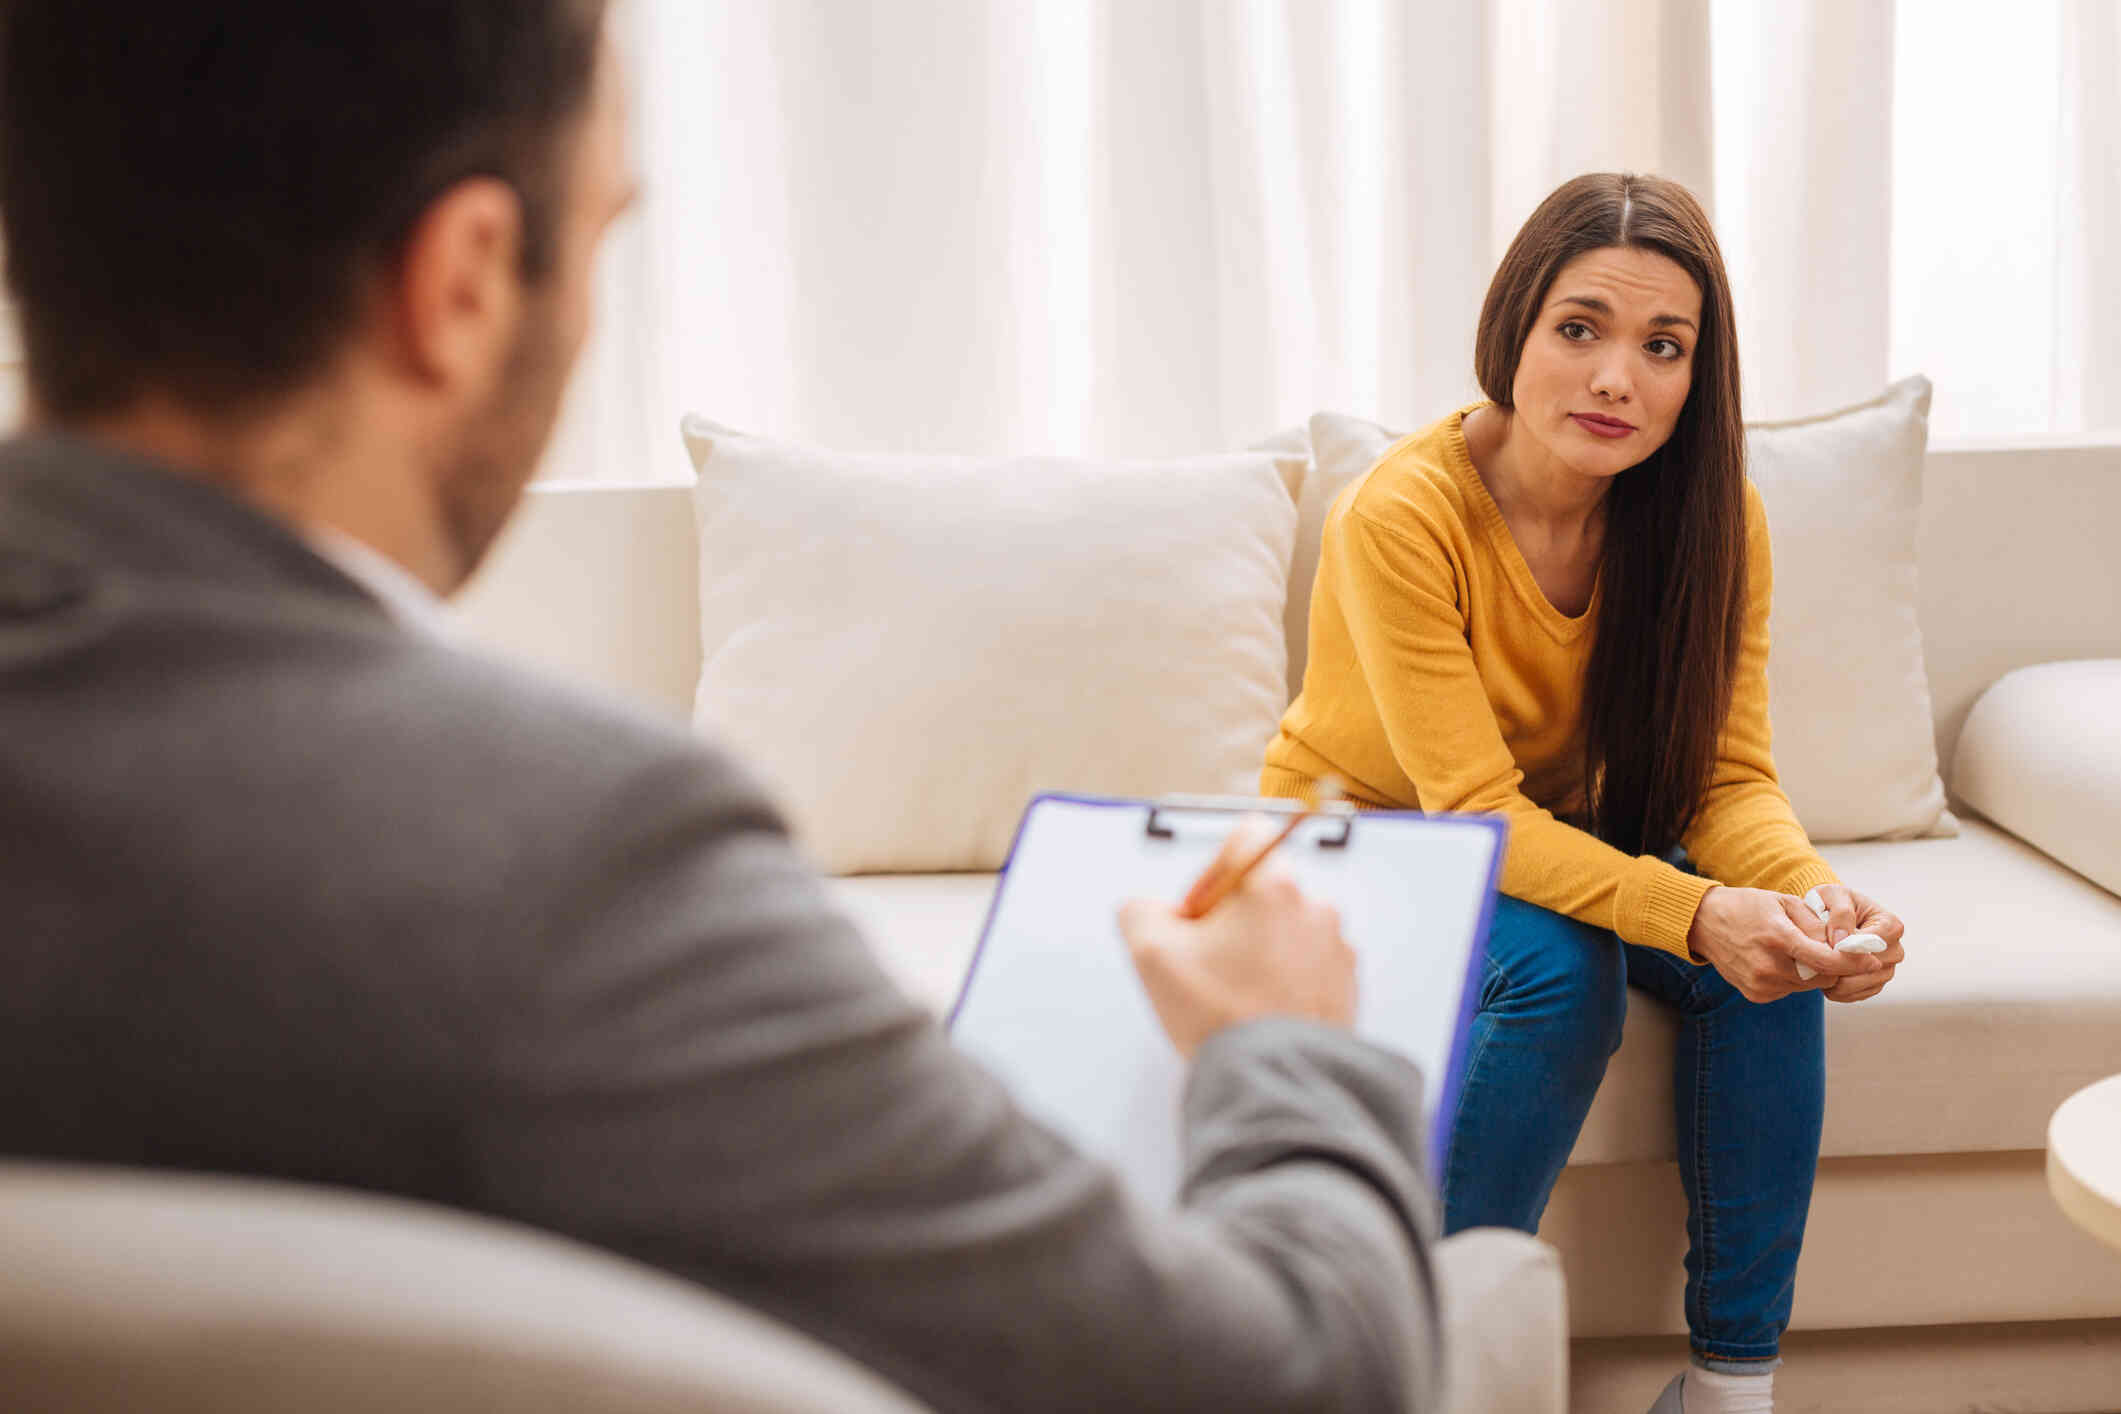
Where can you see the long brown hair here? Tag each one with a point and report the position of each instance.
(1673, 574)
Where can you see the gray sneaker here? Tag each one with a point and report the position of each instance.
(1669, 1402)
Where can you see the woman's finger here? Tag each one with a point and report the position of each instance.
(1802, 973)
(1839, 906)
(1858, 989)
(1868, 986)
(1822, 959)
(1885, 924)
(1805, 918)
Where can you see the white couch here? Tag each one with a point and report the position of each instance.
(1937, 1273)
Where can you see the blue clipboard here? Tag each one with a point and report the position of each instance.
(1052, 1005)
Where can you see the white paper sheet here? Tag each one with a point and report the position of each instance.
(1052, 1003)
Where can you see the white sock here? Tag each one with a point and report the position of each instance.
(1707, 1392)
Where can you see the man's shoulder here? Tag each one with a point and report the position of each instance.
(517, 740)
(515, 707)
(297, 727)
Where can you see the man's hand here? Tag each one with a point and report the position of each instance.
(1266, 950)
(1756, 938)
(1850, 912)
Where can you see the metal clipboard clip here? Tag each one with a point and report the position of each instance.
(1160, 829)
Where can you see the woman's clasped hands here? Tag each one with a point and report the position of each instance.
(1756, 938)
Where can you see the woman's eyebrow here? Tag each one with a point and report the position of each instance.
(1599, 306)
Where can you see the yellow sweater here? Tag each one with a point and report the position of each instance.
(1441, 678)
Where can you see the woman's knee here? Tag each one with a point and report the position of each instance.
(1552, 967)
(1797, 1018)
(1798, 1022)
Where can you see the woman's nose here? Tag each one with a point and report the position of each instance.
(1610, 380)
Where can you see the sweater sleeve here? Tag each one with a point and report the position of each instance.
(1402, 602)
(1745, 834)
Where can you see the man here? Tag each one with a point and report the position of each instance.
(295, 888)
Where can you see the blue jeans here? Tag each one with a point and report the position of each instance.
(1747, 1095)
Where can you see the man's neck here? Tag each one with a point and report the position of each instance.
(305, 467)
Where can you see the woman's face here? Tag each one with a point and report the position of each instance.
(1610, 359)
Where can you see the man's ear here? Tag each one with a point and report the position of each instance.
(458, 294)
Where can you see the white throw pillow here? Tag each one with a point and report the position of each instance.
(908, 649)
(1342, 449)
(1847, 688)
(1848, 692)
(1303, 564)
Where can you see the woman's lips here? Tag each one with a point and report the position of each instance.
(1601, 426)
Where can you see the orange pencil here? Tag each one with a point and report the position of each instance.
(1218, 881)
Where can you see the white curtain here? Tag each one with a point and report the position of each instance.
(1803, 110)
(2007, 216)
(1145, 227)
(2088, 289)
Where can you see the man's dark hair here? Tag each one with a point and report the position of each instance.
(194, 191)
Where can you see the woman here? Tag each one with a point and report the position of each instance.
(1553, 606)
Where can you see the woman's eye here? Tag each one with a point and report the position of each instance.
(1575, 331)
(1665, 348)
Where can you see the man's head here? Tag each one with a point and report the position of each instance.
(381, 213)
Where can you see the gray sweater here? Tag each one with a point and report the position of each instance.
(291, 891)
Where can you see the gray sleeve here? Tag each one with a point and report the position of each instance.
(694, 1060)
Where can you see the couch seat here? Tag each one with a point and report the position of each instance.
(924, 927)
(2009, 1001)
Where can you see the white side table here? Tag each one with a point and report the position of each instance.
(2084, 1159)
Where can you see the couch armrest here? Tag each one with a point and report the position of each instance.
(2041, 756)
(1506, 1324)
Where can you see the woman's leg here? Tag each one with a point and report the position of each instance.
(1749, 1090)
(1552, 999)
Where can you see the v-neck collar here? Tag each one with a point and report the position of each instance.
(1458, 457)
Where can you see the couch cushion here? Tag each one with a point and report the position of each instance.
(2009, 1001)
(1847, 684)
(908, 649)
(1313, 498)
(2041, 757)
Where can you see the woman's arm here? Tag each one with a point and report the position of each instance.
(1399, 594)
